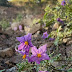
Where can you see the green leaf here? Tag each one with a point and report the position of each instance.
(56, 41)
(69, 70)
(2, 70)
(47, 8)
(48, 23)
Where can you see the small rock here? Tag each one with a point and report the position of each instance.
(66, 40)
(55, 64)
(16, 59)
(3, 36)
(55, 26)
(36, 34)
(27, 22)
(27, 29)
(9, 31)
(69, 42)
(7, 62)
(13, 69)
(35, 28)
(2, 54)
(46, 28)
(69, 51)
(6, 52)
(49, 44)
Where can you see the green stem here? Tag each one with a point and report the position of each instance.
(37, 67)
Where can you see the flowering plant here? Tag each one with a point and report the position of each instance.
(60, 14)
(37, 56)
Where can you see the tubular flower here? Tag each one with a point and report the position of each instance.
(25, 42)
(39, 54)
(45, 35)
(63, 2)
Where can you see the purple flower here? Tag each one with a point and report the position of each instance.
(63, 2)
(39, 54)
(15, 28)
(43, 71)
(66, 16)
(45, 35)
(51, 39)
(59, 20)
(25, 42)
(20, 27)
(37, 23)
(24, 53)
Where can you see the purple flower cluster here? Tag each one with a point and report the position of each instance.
(37, 54)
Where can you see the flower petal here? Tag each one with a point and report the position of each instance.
(21, 39)
(28, 37)
(42, 49)
(21, 46)
(45, 57)
(37, 61)
(34, 50)
(33, 58)
(22, 52)
(26, 48)
(30, 44)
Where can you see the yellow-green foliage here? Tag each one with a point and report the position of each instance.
(4, 23)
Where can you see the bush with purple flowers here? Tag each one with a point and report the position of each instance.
(37, 56)
(41, 57)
